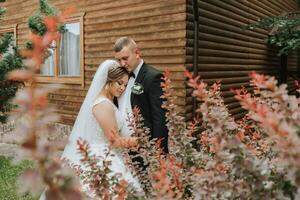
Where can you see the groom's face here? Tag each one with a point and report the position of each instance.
(128, 58)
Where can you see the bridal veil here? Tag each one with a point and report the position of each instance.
(84, 127)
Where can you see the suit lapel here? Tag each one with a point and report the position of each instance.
(139, 79)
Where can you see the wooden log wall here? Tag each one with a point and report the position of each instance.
(228, 53)
(158, 26)
(164, 30)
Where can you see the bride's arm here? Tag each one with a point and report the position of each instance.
(105, 115)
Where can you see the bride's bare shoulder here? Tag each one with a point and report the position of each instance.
(104, 106)
(104, 113)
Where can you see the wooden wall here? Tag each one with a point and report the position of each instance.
(164, 30)
(158, 26)
(228, 53)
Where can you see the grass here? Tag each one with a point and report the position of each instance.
(8, 177)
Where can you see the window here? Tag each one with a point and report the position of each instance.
(64, 63)
(13, 31)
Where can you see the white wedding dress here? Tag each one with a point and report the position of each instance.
(87, 128)
(100, 143)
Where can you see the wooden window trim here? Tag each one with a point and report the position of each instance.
(12, 29)
(64, 79)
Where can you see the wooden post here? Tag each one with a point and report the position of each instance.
(298, 64)
(195, 47)
(283, 69)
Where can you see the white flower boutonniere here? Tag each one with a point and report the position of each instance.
(137, 89)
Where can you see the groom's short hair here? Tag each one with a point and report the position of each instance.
(124, 42)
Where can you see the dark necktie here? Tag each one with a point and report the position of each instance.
(131, 74)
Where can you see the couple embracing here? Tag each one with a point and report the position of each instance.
(101, 123)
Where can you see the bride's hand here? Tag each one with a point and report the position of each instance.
(128, 142)
(125, 142)
(132, 142)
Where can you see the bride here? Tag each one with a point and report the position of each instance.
(99, 121)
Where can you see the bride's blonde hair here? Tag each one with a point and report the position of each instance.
(116, 72)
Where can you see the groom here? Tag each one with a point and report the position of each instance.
(143, 90)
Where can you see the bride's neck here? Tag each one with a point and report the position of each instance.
(106, 94)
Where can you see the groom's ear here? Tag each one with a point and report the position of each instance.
(137, 51)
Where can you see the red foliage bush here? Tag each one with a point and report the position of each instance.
(255, 158)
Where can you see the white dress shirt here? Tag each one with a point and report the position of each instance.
(124, 101)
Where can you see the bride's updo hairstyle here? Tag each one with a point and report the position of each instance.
(116, 72)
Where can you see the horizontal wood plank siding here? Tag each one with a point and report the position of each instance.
(158, 26)
(164, 30)
(228, 53)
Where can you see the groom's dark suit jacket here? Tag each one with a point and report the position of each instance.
(150, 101)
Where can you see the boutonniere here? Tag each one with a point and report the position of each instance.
(137, 88)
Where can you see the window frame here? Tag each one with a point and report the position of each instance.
(65, 79)
(11, 29)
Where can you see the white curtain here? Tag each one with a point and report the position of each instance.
(70, 54)
(48, 67)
